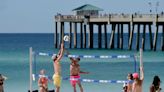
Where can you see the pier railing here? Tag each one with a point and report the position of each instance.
(112, 18)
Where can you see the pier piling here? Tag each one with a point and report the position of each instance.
(143, 37)
(105, 37)
(150, 37)
(61, 33)
(75, 35)
(70, 35)
(90, 44)
(155, 38)
(56, 35)
(85, 32)
(121, 37)
(138, 37)
(162, 38)
(99, 36)
(112, 36)
(81, 35)
(129, 29)
(131, 37)
(118, 35)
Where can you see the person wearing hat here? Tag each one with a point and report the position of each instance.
(57, 68)
(75, 73)
(43, 81)
(138, 81)
(138, 78)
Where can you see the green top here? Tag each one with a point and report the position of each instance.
(87, 7)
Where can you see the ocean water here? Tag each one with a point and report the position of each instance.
(14, 63)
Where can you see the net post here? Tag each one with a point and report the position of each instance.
(30, 64)
(135, 63)
(141, 61)
(141, 58)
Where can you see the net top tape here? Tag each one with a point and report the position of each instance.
(89, 56)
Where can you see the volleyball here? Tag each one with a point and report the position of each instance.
(66, 38)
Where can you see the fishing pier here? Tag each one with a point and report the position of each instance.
(87, 18)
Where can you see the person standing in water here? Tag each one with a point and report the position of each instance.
(57, 68)
(128, 85)
(75, 73)
(43, 81)
(2, 79)
(137, 84)
(138, 81)
(155, 86)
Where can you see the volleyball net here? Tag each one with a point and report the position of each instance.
(33, 65)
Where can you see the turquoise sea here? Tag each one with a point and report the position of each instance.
(14, 63)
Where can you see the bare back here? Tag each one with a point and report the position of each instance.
(129, 87)
(56, 63)
(137, 86)
(57, 68)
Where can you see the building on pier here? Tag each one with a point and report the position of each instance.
(87, 9)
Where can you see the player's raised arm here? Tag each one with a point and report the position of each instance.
(61, 51)
(141, 65)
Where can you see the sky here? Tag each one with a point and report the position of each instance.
(37, 16)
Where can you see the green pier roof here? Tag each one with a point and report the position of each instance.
(87, 7)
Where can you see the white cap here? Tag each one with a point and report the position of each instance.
(53, 56)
